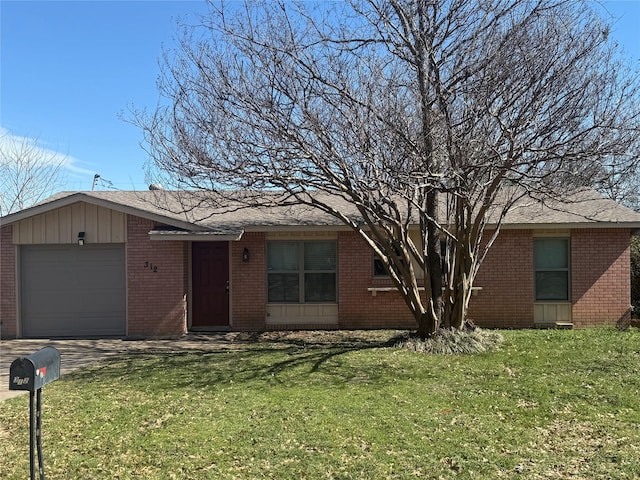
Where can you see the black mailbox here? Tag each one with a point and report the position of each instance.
(31, 373)
(34, 371)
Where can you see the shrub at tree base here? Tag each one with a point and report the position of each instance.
(452, 341)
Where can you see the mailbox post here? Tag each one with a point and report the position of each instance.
(31, 373)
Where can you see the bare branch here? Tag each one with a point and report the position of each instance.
(28, 172)
(438, 115)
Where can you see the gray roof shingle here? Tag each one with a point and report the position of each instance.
(193, 211)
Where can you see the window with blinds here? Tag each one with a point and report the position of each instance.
(551, 261)
(301, 271)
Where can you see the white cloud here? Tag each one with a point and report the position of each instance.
(50, 154)
(9, 141)
(73, 165)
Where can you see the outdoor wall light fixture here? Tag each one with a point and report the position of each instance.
(80, 238)
(245, 254)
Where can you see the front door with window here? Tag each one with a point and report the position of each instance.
(210, 285)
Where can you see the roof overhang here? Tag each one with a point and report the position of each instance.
(230, 225)
(297, 228)
(82, 197)
(195, 236)
(566, 226)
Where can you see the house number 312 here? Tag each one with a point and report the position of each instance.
(151, 266)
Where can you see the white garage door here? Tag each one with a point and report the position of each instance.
(72, 291)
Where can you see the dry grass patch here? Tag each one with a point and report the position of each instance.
(452, 341)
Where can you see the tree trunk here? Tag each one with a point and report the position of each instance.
(460, 275)
(427, 324)
(458, 312)
(430, 320)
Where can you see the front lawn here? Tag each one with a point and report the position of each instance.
(550, 404)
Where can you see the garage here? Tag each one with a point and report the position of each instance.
(72, 290)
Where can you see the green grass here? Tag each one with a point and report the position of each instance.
(550, 404)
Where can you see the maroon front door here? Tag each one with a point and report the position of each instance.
(210, 284)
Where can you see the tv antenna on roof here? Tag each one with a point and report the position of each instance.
(103, 182)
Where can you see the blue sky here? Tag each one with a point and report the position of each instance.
(68, 69)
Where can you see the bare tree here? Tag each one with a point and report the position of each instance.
(28, 172)
(439, 114)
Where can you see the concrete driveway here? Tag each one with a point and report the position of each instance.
(75, 354)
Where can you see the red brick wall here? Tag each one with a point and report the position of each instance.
(506, 277)
(248, 289)
(507, 280)
(8, 313)
(600, 263)
(357, 307)
(600, 276)
(156, 301)
(157, 282)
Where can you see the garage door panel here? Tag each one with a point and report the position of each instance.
(69, 326)
(73, 291)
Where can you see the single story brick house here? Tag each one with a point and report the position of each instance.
(131, 264)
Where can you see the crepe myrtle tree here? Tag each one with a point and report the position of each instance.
(428, 118)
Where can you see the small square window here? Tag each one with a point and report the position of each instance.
(378, 267)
